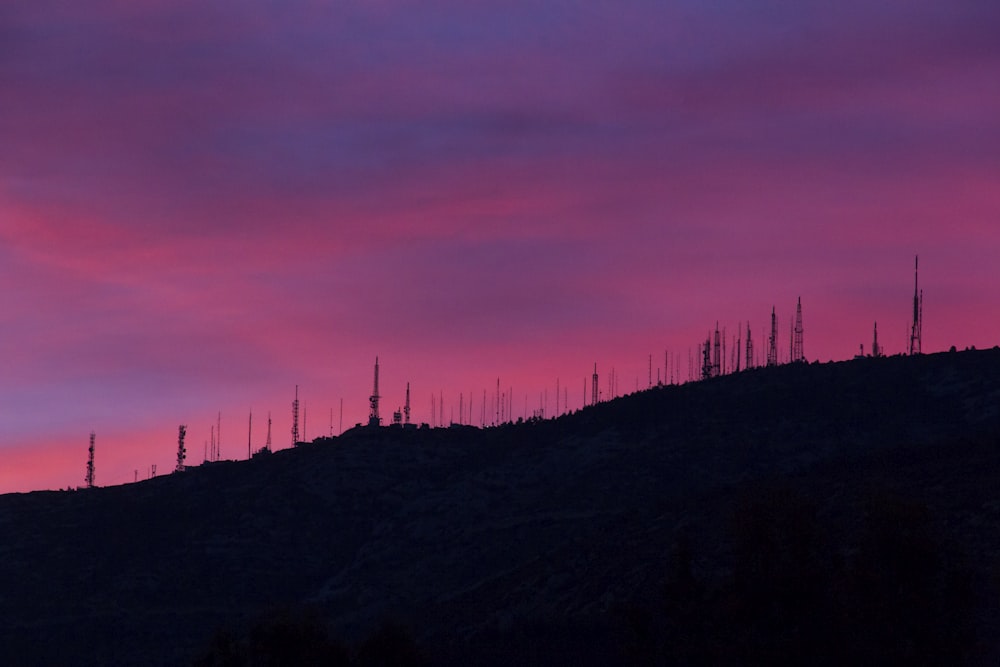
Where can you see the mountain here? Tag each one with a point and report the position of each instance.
(848, 509)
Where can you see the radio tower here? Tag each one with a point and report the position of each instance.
(918, 310)
(406, 407)
(716, 354)
(748, 362)
(295, 417)
(90, 462)
(267, 444)
(706, 358)
(181, 452)
(772, 341)
(593, 387)
(373, 418)
(876, 350)
(797, 352)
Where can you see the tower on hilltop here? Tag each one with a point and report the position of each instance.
(373, 417)
(798, 353)
(916, 328)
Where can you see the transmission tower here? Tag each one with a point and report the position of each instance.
(593, 387)
(295, 417)
(918, 311)
(406, 407)
(798, 353)
(748, 362)
(876, 350)
(706, 358)
(373, 417)
(772, 341)
(90, 462)
(181, 452)
(716, 354)
(267, 444)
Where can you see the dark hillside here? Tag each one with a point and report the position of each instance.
(650, 530)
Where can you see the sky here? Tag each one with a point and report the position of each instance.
(204, 204)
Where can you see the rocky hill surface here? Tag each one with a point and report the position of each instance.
(554, 542)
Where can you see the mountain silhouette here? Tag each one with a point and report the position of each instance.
(774, 516)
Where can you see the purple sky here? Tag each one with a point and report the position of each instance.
(203, 204)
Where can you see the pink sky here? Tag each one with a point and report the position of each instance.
(204, 204)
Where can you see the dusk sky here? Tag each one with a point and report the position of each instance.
(206, 203)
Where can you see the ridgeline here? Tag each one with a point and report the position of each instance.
(839, 513)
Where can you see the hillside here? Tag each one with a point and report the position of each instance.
(532, 542)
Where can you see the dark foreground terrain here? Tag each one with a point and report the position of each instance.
(844, 513)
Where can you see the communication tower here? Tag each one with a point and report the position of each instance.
(876, 350)
(918, 310)
(593, 387)
(267, 444)
(772, 341)
(749, 353)
(373, 417)
(798, 353)
(706, 358)
(181, 452)
(717, 354)
(406, 407)
(295, 417)
(90, 462)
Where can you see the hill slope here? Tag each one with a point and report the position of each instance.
(516, 543)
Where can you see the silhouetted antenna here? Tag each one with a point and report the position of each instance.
(218, 438)
(89, 479)
(716, 356)
(918, 310)
(373, 417)
(739, 347)
(267, 444)
(749, 354)
(304, 406)
(772, 342)
(706, 358)
(406, 407)
(593, 388)
(295, 417)
(249, 434)
(876, 350)
(798, 351)
(181, 452)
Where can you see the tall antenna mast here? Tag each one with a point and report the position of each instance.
(373, 417)
(798, 352)
(772, 342)
(593, 389)
(267, 444)
(406, 407)
(876, 350)
(918, 310)
(249, 433)
(181, 452)
(706, 358)
(90, 462)
(295, 417)
(748, 358)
